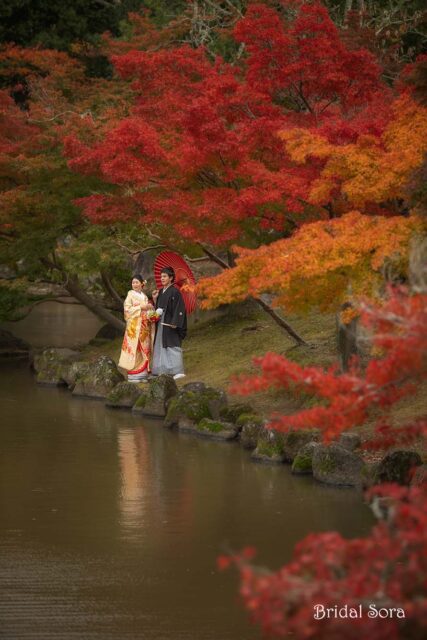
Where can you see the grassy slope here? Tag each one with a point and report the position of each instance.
(215, 350)
(219, 350)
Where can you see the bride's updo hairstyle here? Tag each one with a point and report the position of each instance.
(170, 272)
(139, 277)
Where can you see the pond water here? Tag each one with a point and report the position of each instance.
(52, 324)
(110, 525)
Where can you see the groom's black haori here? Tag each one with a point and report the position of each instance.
(172, 303)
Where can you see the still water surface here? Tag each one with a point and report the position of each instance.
(52, 324)
(110, 525)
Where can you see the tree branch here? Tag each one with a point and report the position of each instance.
(214, 257)
(72, 285)
(262, 303)
(203, 259)
(108, 286)
(281, 322)
(108, 5)
(58, 115)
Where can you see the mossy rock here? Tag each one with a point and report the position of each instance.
(12, 347)
(249, 417)
(107, 333)
(303, 461)
(397, 466)
(99, 379)
(141, 401)
(187, 405)
(194, 386)
(368, 474)
(336, 465)
(159, 394)
(251, 428)
(188, 408)
(270, 447)
(210, 425)
(267, 455)
(217, 430)
(233, 412)
(52, 365)
(124, 395)
(75, 370)
(52, 356)
(350, 440)
(294, 440)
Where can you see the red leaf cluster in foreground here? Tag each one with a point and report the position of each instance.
(374, 575)
(382, 577)
(348, 400)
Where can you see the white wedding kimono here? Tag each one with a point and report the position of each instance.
(137, 344)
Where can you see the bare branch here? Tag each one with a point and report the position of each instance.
(108, 5)
(108, 286)
(202, 259)
(214, 257)
(58, 115)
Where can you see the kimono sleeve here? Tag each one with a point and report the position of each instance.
(127, 306)
(131, 310)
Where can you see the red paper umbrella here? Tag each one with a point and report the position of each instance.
(184, 279)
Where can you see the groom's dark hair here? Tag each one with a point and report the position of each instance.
(170, 272)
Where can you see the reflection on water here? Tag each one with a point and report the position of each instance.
(135, 470)
(52, 324)
(110, 526)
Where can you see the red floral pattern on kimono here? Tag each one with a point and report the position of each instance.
(136, 351)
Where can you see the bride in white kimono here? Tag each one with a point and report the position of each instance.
(137, 344)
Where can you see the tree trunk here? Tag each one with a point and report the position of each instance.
(73, 287)
(346, 338)
(231, 258)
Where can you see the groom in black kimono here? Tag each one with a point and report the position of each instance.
(171, 329)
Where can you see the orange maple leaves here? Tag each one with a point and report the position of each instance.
(316, 266)
(372, 169)
(321, 261)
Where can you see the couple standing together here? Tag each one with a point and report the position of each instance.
(154, 330)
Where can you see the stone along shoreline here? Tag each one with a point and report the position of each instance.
(206, 412)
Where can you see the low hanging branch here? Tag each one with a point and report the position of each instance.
(72, 285)
(281, 322)
(108, 286)
(262, 302)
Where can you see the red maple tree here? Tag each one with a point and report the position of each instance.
(199, 152)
